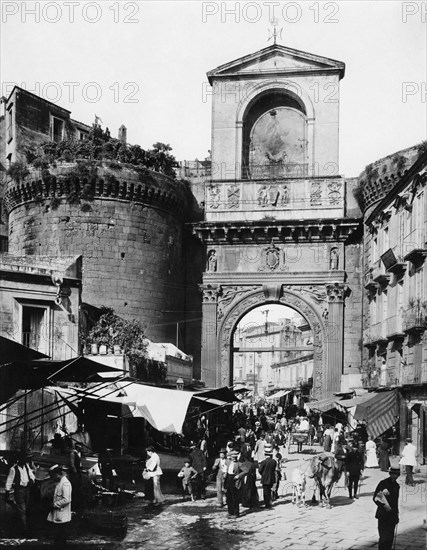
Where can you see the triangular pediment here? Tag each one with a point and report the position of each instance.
(277, 59)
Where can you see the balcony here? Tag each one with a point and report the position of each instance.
(378, 334)
(414, 323)
(392, 263)
(394, 328)
(415, 246)
(370, 284)
(380, 276)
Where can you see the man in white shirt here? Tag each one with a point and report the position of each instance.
(18, 481)
(220, 467)
(409, 460)
(60, 513)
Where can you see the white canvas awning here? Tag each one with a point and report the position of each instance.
(278, 394)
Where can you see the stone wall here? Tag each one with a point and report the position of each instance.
(131, 244)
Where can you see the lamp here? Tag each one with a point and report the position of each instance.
(179, 384)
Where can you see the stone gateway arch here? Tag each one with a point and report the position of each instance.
(280, 225)
(225, 306)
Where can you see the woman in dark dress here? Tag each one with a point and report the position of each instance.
(248, 493)
(383, 455)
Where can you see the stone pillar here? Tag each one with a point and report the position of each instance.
(403, 422)
(210, 363)
(334, 338)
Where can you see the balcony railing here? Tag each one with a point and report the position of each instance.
(268, 171)
(414, 322)
(394, 327)
(378, 333)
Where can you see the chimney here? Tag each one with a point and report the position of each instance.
(123, 133)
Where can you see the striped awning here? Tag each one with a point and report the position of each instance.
(380, 413)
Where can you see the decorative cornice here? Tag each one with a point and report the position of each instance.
(285, 278)
(308, 231)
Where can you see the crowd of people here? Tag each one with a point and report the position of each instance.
(249, 453)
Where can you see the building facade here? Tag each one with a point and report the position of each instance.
(395, 321)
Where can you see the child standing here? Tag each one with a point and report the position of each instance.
(187, 473)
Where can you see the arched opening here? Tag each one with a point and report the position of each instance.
(274, 143)
(273, 348)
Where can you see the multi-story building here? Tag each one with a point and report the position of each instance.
(394, 194)
(282, 356)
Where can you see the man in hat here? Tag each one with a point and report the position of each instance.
(199, 463)
(232, 484)
(220, 469)
(267, 470)
(60, 513)
(409, 460)
(386, 497)
(18, 483)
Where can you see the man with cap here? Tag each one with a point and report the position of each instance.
(60, 513)
(386, 497)
(18, 482)
(409, 460)
(267, 470)
(220, 469)
(232, 484)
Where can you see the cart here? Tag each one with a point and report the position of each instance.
(297, 438)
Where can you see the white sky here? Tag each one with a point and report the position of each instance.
(160, 62)
(275, 312)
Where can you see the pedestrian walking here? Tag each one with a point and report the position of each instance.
(60, 513)
(409, 460)
(386, 497)
(248, 493)
(354, 465)
(188, 474)
(18, 483)
(233, 484)
(199, 463)
(371, 454)
(219, 470)
(267, 470)
(383, 455)
(75, 475)
(259, 453)
(152, 475)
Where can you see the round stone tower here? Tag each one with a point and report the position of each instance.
(126, 223)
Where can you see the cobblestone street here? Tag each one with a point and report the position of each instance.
(350, 524)
(202, 525)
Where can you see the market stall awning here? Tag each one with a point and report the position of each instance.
(323, 405)
(279, 394)
(379, 413)
(163, 408)
(14, 351)
(22, 375)
(346, 404)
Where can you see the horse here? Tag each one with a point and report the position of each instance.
(326, 471)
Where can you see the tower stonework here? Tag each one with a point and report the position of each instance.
(280, 224)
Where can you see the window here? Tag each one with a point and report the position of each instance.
(10, 125)
(82, 135)
(56, 129)
(35, 327)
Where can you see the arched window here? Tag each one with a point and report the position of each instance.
(275, 136)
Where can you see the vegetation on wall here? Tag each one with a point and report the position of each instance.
(79, 180)
(111, 330)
